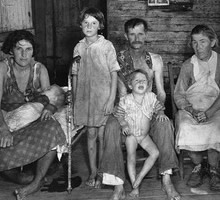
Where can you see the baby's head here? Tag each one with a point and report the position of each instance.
(138, 81)
(56, 95)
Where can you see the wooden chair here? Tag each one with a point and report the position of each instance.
(173, 71)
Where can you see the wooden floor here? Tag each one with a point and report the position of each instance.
(150, 188)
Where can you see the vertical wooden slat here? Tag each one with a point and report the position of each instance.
(15, 14)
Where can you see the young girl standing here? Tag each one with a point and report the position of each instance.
(95, 81)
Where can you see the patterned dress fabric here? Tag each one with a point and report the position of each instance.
(31, 142)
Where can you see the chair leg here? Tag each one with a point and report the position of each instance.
(181, 160)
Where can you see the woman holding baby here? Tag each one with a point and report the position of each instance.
(20, 76)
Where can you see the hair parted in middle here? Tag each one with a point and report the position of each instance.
(94, 12)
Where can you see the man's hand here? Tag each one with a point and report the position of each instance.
(161, 117)
(6, 139)
(118, 111)
(125, 130)
(158, 107)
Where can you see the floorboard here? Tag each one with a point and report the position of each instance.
(150, 189)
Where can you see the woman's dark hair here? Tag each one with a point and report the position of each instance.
(205, 30)
(94, 12)
(131, 23)
(133, 74)
(16, 36)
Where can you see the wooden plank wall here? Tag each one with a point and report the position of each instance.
(15, 14)
(168, 29)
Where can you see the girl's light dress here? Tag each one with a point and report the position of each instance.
(97, 62)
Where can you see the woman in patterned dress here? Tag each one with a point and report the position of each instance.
(21, 75)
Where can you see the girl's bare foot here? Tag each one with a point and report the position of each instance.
(172, 194)
(98, 182)
(91, 180)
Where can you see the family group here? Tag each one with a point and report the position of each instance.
(118, 97)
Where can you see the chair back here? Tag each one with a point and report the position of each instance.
(173, 72)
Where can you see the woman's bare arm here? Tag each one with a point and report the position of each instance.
(6, 138)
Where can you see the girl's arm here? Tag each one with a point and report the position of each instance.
(6, 138)
(108, 109)
(113, 66)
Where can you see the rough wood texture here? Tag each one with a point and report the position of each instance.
(15, 14)
(168, 29)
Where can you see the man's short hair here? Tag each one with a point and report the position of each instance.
(131, 23)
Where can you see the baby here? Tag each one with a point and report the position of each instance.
(31, 111)
(139, 109)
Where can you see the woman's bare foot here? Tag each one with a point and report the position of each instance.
(119, 193)
(22, 193)
(134, 194)
(169, 188)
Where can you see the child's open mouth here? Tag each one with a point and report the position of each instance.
(141, 87)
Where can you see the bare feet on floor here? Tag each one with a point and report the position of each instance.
(22, 193)
(169, 188)
(134, 194)
(98, 182)
(137, 182)
(91, 180)
(119, 193)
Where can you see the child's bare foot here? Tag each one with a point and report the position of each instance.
(91, 180)
(172, 194)
(98, 182)
(137, 182)
(134, 194)
(119, 193)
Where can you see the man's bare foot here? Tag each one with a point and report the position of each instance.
(137, 182)
(172, 194)
(119, 193)
(134, 194)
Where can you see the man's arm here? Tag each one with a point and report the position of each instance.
(158, 69)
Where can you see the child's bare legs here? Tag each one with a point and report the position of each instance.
(148, 145)
(101, 143)
(92, 150)
(131, 146)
